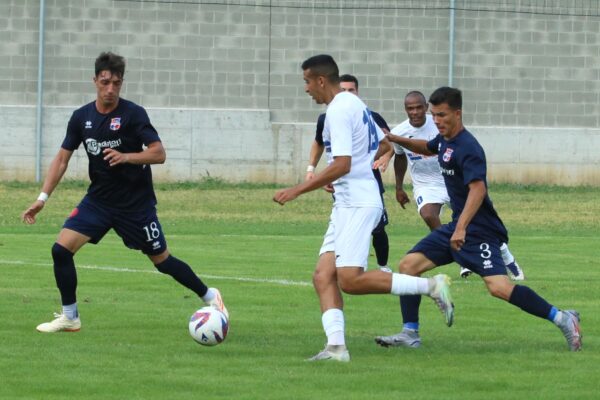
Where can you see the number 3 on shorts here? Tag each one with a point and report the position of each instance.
(485, 250)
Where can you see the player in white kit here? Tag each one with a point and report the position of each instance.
(352, 141)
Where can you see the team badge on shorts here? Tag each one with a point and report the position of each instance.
(447, 155)
(115, 124)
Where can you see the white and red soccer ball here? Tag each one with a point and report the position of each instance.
(208, 326)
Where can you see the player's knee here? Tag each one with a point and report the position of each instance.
(349, 285)
(61, 255)
(320, 278)
(432, 221)
(406, 266)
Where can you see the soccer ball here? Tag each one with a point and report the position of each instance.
(208, 326)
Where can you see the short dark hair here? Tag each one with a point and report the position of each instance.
(349, 78)
(448, 95)
(323, 65)
(415, 93)
(108, 61)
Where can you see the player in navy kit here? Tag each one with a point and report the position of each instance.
(474, 236)
(121, 143)
(349, 83)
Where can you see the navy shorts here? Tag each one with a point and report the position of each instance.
(140, 230)
(480, 255)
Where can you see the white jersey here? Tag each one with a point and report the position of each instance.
(424, 170)
(350, 131)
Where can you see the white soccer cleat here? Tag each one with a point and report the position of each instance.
(406, 338)
(332, 353)
(217, 303)
(60, 324)
(569, 325)
(465, 272)
(439, 291)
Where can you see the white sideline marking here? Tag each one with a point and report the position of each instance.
(285, 282)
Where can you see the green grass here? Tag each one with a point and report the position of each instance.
(134, 342)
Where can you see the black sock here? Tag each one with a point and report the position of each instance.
(183, 274)
(382, 247)
(409, 305)
(65, 274)
(529, 301)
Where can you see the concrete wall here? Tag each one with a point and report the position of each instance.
(531, 69)
(244, 145)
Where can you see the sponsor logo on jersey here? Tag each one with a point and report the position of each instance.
(115, 124)
(449, 172)
(415, 156)
(94, 148)
(447, 155)
(487, 264)
(88, 124)
(156, 245)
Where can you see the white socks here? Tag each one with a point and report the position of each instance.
(210, 294)
(70, 311)
(507, 257)
(405, 284)
(333, 324)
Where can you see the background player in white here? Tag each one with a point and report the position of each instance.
(381, 244)
(351, 140)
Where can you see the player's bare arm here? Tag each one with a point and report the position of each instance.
(477, 193)
(384, 148)
(153, 154)
(316, 151)
(383, 162)
(417, 145)
(338, 168)
(400, 166)
(57, 169)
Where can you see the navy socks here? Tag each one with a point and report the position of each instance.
(183, 274)
(529, 301)
(65, 274)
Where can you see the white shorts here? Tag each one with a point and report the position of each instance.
(430, 195)
(349, 235)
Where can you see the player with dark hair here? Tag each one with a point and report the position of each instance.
(121, 144)
(474, 236)
(352, 141)
(381, 244)
(430, 194)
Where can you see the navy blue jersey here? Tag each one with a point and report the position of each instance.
(320, 127)
(462, 161)
(378, 120)
(125, 129)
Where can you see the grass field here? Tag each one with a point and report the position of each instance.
(134, 342)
